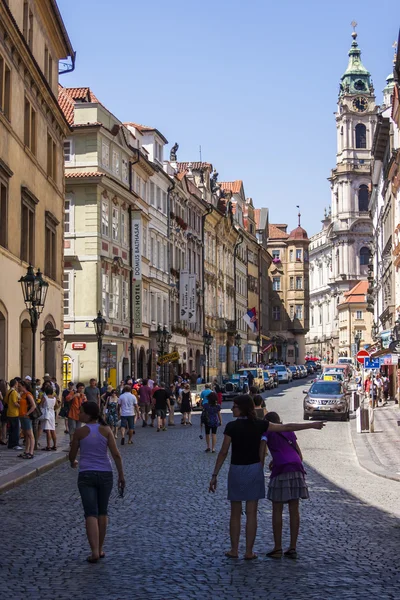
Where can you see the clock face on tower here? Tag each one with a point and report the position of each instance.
(360, 104)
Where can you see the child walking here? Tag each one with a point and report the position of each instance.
(286, 485)
(49, 402)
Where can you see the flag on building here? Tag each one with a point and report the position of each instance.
(267, 347)
(251, 319)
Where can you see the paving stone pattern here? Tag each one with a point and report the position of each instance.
(167, 535)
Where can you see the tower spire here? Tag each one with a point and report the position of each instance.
(356, 79)
(299, 214)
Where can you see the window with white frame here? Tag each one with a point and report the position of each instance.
(153, 308)
(67, 278)
(152, 193)
(105, 295)
(276, 254)
(152, 250)
(276, 284)
(145, 306)
(159, 151)
(124, 228)
(68, 214)
(125, 300)
(115, 223)
(143, 189)
(125, 170)
(165, 314)
(158, 254)
(298, 254)
(299, 283)
(116, 297)
(105, 216)
(115, 162)
(105, 154)
(165, 258)
(164, 202)
(299, 311)
(359, 314)
(291, 254)
(159, 198)
(67, 151)
(138, 183)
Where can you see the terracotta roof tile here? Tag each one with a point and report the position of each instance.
(196, 166)
(274, 233)
(298, 234)
(357, 294)
(67, 97)
(231, 186)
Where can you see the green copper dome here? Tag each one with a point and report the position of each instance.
(356, 79)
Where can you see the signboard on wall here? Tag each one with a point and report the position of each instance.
(192, 299)
(137, 271)
(184, 296)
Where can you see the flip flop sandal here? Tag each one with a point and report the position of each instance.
(291, 553)
(274, 554)
(23, 455)
(53, 448)
(28, 456)
(229, 555)
(92, 560)
(253, 557)
(46, 449)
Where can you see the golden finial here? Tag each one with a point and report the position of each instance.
(354, 25)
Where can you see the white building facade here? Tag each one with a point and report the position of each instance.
(339, 254)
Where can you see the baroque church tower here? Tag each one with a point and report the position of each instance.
(350, 227)
(340, 252)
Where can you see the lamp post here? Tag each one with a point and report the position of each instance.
(208, 340)
(258, 342)
(34, 290)
(357, 340)
(163, 336)
(100, 327)
(238, 344)
(296, 351)
(284, 351)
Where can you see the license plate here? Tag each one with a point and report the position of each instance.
(324, 408)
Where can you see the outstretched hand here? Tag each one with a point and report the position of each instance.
(318, 424)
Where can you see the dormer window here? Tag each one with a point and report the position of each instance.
(158, 151)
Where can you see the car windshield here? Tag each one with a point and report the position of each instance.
(280, 368)
(252, 371)
(293, 368)
(331, 388)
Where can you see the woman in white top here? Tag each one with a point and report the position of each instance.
(48, 405)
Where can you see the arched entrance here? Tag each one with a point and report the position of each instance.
(197, 367)
(49, 352)
(141, 362)
(26, 348)
(3, 346)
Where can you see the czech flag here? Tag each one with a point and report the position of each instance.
(251, 319)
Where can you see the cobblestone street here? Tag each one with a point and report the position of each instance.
(167, 536)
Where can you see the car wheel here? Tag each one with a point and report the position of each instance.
(305, 417)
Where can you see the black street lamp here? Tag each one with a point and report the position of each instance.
(34, 290)
(258, 342)
(238, 344)
(163, 336)
(285, 345)
(357, 340)
(296, 351)
(100, 327)
(208, 340)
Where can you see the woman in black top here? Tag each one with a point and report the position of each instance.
(246, 474)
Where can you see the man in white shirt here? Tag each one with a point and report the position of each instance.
(150, 383)
(127, 410)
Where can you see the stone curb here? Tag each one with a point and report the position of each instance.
(28, 472)
(365, 453)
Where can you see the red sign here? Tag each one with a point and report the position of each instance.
(78, 346)
(361, 356)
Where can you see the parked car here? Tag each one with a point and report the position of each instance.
(283, 374)
(258, 380)
(295, 372)
(310, 368)
(269, 381)
(314, 364)
(303, 369)
(327, 398)
(274, 376)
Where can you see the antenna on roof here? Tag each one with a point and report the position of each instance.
(200, 152)
(299, 214)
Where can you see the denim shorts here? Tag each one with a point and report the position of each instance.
(128, 422)
(95, 489)
(73, 426)
(26, 423)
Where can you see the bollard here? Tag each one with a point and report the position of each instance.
(371, 418)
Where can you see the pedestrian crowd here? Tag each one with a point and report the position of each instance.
(94, 417)
(376, 387)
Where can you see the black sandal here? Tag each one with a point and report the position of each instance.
(46, 449)
(291, 553)
(275, 554)
(92, 560)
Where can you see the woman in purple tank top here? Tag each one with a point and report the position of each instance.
(95, 478)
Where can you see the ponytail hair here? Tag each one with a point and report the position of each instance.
(92, 410)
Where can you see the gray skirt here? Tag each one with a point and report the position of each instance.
(288, 486)
(246, 482)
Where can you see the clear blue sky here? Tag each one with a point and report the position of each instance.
(254, 83)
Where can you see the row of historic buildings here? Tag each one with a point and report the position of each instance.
(174, 259)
